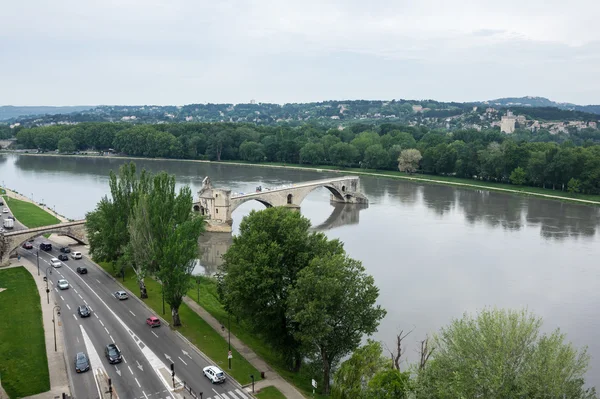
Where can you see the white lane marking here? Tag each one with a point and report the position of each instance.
(241, 394)
(61, 297)
(96, 315)
(123, 357)
(68, 306)
(98, 281)
(76, 291)
(182, 361)
(146, 396)
(130, 370)
(77, 339)
(117, 370)
(233, 395)
(150, 356)
(137, 382)
(112, 339)
(223, 395)
(139, 366)
(154, 334)
(55, 289)
(218, 395)
(80, 296)
(105, 329)
(101, 322)
(51, 282)
(75, 317)
(93, 356)
(132, 313)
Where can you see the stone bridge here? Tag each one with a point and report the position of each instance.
(217, 205)
(10, 241)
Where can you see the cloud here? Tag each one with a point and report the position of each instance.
(174, 52)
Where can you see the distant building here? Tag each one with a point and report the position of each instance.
(490, 110)
(507, 123)
(252, 101)
(521, 119)
(417, 108)
(592, 125)
(335, 117)
(189, 118)
(475, 109)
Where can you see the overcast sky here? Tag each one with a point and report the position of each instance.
(74, 52)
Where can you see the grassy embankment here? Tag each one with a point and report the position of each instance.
(194, 328)
(23, 361)
(29, 214)
(270, 393)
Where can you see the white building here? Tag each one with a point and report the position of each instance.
(507, 124)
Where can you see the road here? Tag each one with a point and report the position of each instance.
(148, 353)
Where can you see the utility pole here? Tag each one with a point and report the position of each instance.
(173, 374)
(54, 324)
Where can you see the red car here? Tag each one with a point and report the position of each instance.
(153, 321)
(27, 245)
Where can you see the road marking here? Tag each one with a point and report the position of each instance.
(61, 297)
(98, 281)
(218, 395)
(137, 382)
(112, 339)
(154, 334)
(130, 370)
(139, 366)
(233, 395)
(146, 396)
(117, 370)
(223, 395)
(93, 356)
(84, 301)
(132, 313)
(80, 296)
(68, 306)
(182, 360)
(186, 354)
(77, 339)
(55, 289)
(123, 357)
(96, 315)
(105, 329)
(51, 282)
(76, 291)
(75, 317)
(101, 322)
(241, 394)
(168, 357)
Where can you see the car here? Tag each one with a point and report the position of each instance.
(63, 284)
(46, 246)
(65, 250)
(76, 255)
(82, 270)
(214, 374)
(54, 262)
(84, 311)
(63, 257)
(82, 364)
(5, 210)
(113, 354)
(11, 217)
(120, 295)
(27, 245)
(153, 321)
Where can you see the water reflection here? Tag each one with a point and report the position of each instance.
(342, 215)
(212, 246)
(481, 206)
(559, 220)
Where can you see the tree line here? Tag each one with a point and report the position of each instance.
(564, 161)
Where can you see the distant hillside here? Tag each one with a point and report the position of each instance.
(540, 102)
(10, 111)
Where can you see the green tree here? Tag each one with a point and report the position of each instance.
(573, 186)
(333, 304)
(518, 176)
(272, 247)
(375, 157)
(66, 145)
(351, 379)
(409, 160)
(343, 154)
(252, 151)
(503, 354)
(390, 384)
(312, 153)
(536, 167)
(365, 140)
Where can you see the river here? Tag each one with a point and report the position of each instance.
(435, 251)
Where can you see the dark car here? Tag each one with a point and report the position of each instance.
(65, 250)
(84, 311)
(11, 217)
(63, 257)
(27, 245)
(113, 354)
(46, 246)
(82, 363)
(81, 270)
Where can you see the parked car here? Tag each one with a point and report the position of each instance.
(82, 364)
(11, 217)
(5, 210)
(27, 245)
(214, 374)
(76, 255)
(63, 257)
(65, 250)
(55, 262)
(82, 270)
(46, 246)
(120, 295)
(63, 284)
(84, 311)
(153, 321)
(113, 354)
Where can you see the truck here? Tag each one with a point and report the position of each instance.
(9, 223)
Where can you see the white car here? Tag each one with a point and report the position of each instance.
(55, 262)
(5, 210)
(63, 284)
(121, 295)
(76, 255)
(214, 374)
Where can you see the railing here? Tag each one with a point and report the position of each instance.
(190, 391)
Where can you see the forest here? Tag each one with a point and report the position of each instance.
(567, 161)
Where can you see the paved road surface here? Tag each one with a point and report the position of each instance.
(145, 351)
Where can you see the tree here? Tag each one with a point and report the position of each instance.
(518, 176)
(409, 160)
(272, 247)
(389, 384)
(333, 304)
(252, 151)
(66, 145)
(375, 157)
(502, 354)
(312, 153)
(351, 379)
(343, 154)
(573, 186)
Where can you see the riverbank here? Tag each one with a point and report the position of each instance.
(420, 178)
(30, 213)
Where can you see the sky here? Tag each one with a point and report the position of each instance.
(176, 52)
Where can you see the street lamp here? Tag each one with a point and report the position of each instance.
(54, 323)
(46, 279)
(229, 334)
(38, 260)
(252, 376)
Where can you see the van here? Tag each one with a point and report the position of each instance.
(9, 223)
(76, 255)
(46, 246)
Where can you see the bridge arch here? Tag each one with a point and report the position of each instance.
(341, 196)
(237, 203)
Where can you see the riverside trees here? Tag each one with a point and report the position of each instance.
(307, 298)
(151, 227)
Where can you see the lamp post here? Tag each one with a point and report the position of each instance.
(229, 336)
(252, 376)
(54, 323)
(47, 289)
(38, 260)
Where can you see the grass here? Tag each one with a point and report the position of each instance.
(23, 360)
(194, 328)
(30, 214)
(209, 300)
(270, 393)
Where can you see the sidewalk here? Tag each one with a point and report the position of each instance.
(59, 381)
(271, 376)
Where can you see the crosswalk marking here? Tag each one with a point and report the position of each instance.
(241, 394)
(233, 395)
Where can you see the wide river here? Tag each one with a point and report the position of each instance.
(435, 251)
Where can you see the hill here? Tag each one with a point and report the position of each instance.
(11, 111)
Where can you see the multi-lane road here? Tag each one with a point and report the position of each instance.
(147, 352)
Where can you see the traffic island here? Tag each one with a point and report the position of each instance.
(105, 387)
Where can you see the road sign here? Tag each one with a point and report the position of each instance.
(314, 383)
(229, 355)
